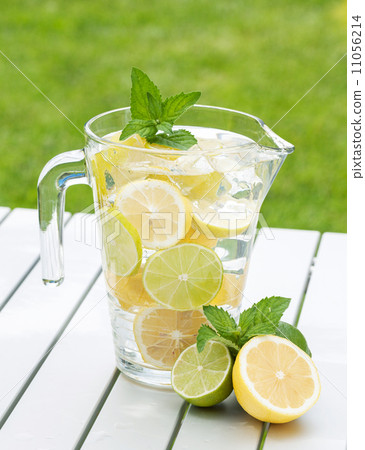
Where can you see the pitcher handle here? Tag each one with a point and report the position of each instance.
(62, 171)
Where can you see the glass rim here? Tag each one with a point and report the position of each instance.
(284, 148)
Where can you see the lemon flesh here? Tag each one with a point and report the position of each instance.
(158, 211)
(274, 380)
(162, 334)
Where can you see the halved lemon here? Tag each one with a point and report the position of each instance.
(183, 277)
(158, 211)
(162, 334)
(274, 380)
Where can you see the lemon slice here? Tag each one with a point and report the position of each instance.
(162, 334)
(203, 379)
(200, 186)
(158, 211)
(129, 291)
(122, 246)
(222, 219)
(108, 166)
(274, 380)
(231, 292)
(194, 236)
(183, 277)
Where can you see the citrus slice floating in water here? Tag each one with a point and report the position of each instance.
(274, 380)
(129, 291)
(122, 246)
(162, 334)
(183, 277)
(222, 219)
(157, 210)
(203, 379)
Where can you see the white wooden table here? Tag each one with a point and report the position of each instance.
(59, 388)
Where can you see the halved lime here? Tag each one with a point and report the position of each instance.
(203, 379)
(122, 246)
(183, 277)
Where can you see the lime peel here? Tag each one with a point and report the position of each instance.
(203, 379)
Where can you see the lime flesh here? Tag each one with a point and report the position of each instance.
(203, 379)
(183, 277)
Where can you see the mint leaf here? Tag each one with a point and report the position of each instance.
(261, 319)
(270, 309)
(222, 321)
(166, 127)
(266, 314)
(256, 330)
(109, 181)
(206, 333)
(174, 107)
(247, 319)
(292, 333)
(179, 139)
(154, 107)
(141, 86)
(143, 127)
(154, 119)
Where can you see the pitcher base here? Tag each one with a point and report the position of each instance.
(145, 375)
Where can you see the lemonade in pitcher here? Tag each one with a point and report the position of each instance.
(177, 191)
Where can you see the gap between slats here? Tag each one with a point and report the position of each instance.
(97, 409)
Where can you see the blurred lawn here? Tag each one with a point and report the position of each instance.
(260, 57)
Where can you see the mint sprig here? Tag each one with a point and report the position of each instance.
(262, 318)
(153, 118)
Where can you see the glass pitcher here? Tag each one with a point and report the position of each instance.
(176, 226)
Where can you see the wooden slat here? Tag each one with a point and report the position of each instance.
(324, 312)
(148, 427)
(59, 401)
(36, 315)
(19, 244)
(134, 417)
(279, 266)
(4, 211)
(323, 321)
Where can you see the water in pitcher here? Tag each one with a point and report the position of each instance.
(188, 220)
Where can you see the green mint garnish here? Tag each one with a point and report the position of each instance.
(262, 318)
(153, 118)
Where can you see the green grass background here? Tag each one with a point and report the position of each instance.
(259, 57)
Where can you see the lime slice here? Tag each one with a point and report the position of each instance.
(203, 379)
(122, 246)
(183, 277)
